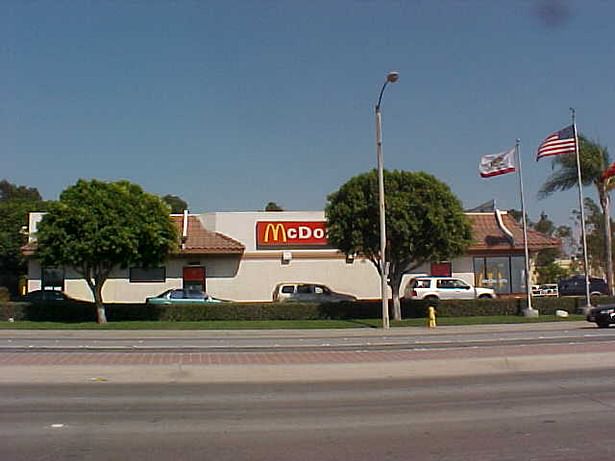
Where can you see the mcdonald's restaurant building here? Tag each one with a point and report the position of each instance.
(242, 256)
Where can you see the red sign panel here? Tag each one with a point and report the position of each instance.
(443, 269)
(194, 273)
(291, 234)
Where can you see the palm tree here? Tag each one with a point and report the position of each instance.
(594, 160)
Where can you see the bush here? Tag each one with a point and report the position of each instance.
(5, 295)
(86, 312)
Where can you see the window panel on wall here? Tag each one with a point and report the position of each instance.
(150, 274)
(52, 278)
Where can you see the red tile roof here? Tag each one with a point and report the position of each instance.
(487, 235)
(202, 241)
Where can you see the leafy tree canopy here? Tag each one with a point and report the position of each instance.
(12, 192)
(273, 206)
(96, 226)
(15, 204)
(544, 224)
(177, 204)
(516, 214)
(425, 222)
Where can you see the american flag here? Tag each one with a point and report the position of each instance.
(560, 142)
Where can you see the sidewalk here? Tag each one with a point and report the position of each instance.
(480, 350)
(277, 367)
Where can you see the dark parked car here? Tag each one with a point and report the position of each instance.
(575, 286)
(602, 316)
(44, 296)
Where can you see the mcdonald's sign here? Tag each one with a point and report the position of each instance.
(291, 234)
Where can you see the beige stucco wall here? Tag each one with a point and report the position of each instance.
(251, 279)
(253, 276)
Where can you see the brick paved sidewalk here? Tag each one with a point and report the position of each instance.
(26, 358)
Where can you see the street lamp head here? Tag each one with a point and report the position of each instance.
(392, 77)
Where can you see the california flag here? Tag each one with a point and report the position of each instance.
(496, 164)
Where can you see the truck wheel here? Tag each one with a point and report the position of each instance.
(603, 324)
(431, 299)
(484, 297)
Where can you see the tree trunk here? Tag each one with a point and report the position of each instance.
(101, 316)
(605, 203)
(395, 279)
(396, 301)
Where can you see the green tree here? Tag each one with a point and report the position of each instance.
(547, 256)
(15, 204)
(518, 216)
(177, 204)
(544, 224)
(594, 160)
(594, 224)
(97, 226)
(547, 268)
(10, 192)
(569, 245)
(425, 222)
(551, 272)
(273, 206)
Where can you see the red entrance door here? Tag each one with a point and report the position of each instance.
(194, 278)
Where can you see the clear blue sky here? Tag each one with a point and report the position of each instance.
(232, 104)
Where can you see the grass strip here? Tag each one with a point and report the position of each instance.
(278, 324)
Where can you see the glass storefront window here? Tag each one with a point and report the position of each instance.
(505, 274)
(517, 274)
(479, 272)
(497, 274)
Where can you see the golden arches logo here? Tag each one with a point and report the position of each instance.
(276, 231)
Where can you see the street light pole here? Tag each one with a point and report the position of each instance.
(392, 77)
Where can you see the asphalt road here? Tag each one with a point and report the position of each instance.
(522, 416)
(494, 392)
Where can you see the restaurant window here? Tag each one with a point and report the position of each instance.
(147, 274)
(505, 274)
(517, 274)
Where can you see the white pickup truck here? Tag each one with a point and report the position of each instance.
(436, 288)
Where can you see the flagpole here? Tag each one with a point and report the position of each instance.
(580, 184)
(530, 311)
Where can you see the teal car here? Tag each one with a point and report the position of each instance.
(179, 296)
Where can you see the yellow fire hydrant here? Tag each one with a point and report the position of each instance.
(431, 317)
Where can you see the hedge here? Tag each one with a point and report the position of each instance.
(86, 312)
